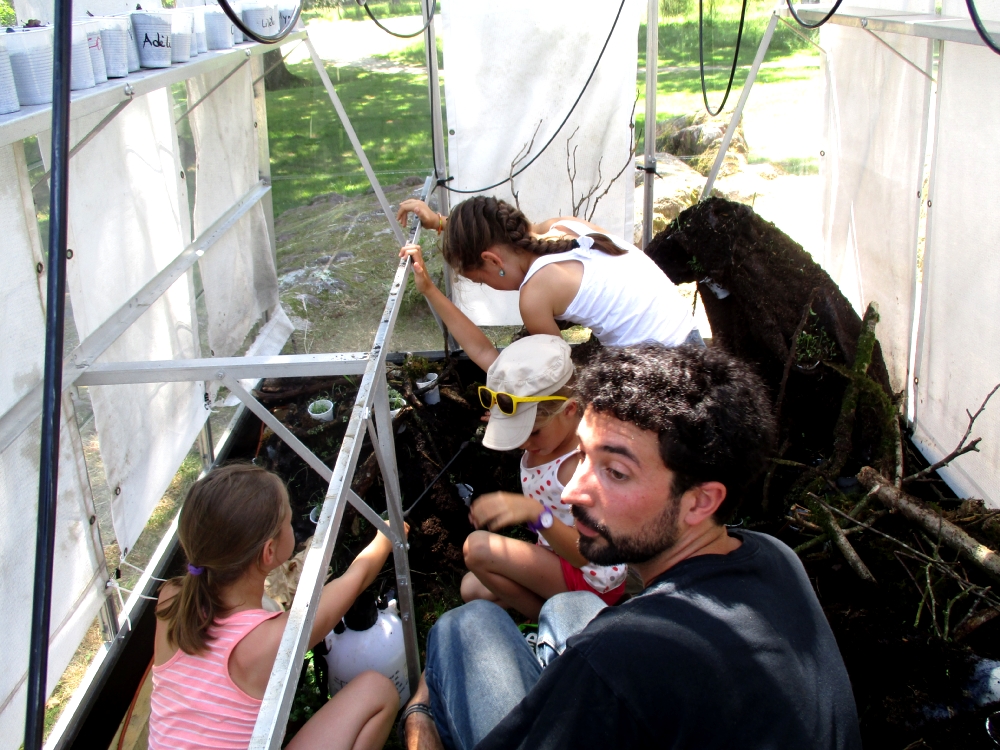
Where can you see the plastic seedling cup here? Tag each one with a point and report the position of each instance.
(321, 410)
(433, 396)
(31, 63)
(115, 40)
(152, 36)
(82, 71)
(238, 37)
(132, 49)
(181, 36)
(285, 13)
(8, 91)
(218, 29)
(199, 44)
(261, 18)
(96, 47)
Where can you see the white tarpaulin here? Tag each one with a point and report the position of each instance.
(238, 275)
(513, 70)
(958, 355)
(123, 234)
(872, 169)
(78, 580)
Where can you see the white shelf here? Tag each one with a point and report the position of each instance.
(926, 25)
(29, 121)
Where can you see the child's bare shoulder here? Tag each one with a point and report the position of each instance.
(568, 468)
(167, 592)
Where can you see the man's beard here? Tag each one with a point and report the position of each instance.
(609, 549)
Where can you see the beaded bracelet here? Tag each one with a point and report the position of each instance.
(440, 227)
(416, 708)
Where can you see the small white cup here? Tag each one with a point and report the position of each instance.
(433, 396)
(326, 413)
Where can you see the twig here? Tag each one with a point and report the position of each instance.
(962, 448)
(628, 162)
(516, 161)
(817, 540)
(829, 523)
(791, 354)
(970, 624)
(934, 523)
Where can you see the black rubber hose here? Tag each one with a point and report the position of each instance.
(819, 23)
(430, 18)
(981, 27)
(55, 313)
(282, 32)
(701, 59)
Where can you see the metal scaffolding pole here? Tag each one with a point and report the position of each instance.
(649, 139)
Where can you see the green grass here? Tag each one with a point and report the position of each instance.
(414, 55)
(310, 152)
(348, 9)
(7, 17)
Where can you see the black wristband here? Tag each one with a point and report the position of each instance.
(416, 708)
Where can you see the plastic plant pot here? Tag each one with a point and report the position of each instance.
(181, 36)
(237, 34)
(132, 49)
(285, 12)
(115, 40)
(152, 37)
(261, 18)
(31, 63)
(82, 71)
(8, 91)
(433, 396)
(96, 47)
(218, 29)
(321, 410)
(199, 44)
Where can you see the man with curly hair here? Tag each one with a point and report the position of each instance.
(725, 647)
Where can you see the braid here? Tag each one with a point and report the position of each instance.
(477, 224)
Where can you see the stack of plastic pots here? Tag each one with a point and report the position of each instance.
(96, 46)
(218, 29)
(181, 36)
(82, 75)
(115, 40)
(30, 54)
(8, 91)
(261, 18)
(200, 42)
(132, 49)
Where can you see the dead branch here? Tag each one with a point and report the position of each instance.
(822, 512)
(516, 161)
(914, 510)
(962, 448)
(823, 538)
(791, 354)
(972, 623)
(629, 162)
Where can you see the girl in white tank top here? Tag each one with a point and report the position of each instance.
(565, 270)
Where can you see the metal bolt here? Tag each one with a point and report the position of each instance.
(822, 153)
(93, 519)
(182, 174)
(39, 268)
(255, 124)
(128, 89)
(118, 490)
(928, 203)
(220, 374)
(864, 23)
(451, 132)
(69, 254)
(248, 53)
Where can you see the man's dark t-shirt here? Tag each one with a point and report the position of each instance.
(721, 651)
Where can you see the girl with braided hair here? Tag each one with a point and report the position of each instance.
(566, 269)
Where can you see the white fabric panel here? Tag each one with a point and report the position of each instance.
(43, 10)
(78, 582)
(238, 275)
(989, 10)
(958, 355)
(874, 142)
(513, 64)
(123, 230)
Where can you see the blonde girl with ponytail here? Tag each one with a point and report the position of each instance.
(565, 269)
(215, 646)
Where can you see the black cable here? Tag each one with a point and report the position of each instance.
(805, 25)
(736, 55)
(282, 32)
(981, 27)
(548, 143)
(430, 18)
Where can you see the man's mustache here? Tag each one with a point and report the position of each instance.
(581, 515)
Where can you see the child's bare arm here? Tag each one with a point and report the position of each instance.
(340, 593)
(500, 510)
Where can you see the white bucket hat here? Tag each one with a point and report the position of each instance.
(533, 366)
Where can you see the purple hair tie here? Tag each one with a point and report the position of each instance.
(195, 570)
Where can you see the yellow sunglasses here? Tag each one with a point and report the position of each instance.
(507, 402)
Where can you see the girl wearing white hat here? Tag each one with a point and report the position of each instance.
(529, 394)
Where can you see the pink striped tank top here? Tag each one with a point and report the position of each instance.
(195, 703)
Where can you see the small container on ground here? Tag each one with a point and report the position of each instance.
(31, 63)
(96, 46)
(321, 410)
(181, 36)
(152, 36)
(82, 66)
(219, 29)
(115, 40)
(8, 91)
(433, 396)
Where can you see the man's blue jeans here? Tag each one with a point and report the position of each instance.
(479, 666)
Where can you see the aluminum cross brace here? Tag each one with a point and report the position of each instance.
(17, 419)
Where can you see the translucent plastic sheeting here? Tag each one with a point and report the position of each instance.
(874, 143)
(127, 221)
(238, 275)
(513, 72)
(78, 580)
(989, 10)
(958, 350)
(43, 10)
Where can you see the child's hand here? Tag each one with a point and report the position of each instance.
(428, 219)
(420, 276)
(500, 510)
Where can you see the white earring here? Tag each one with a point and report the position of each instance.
(502, 272)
